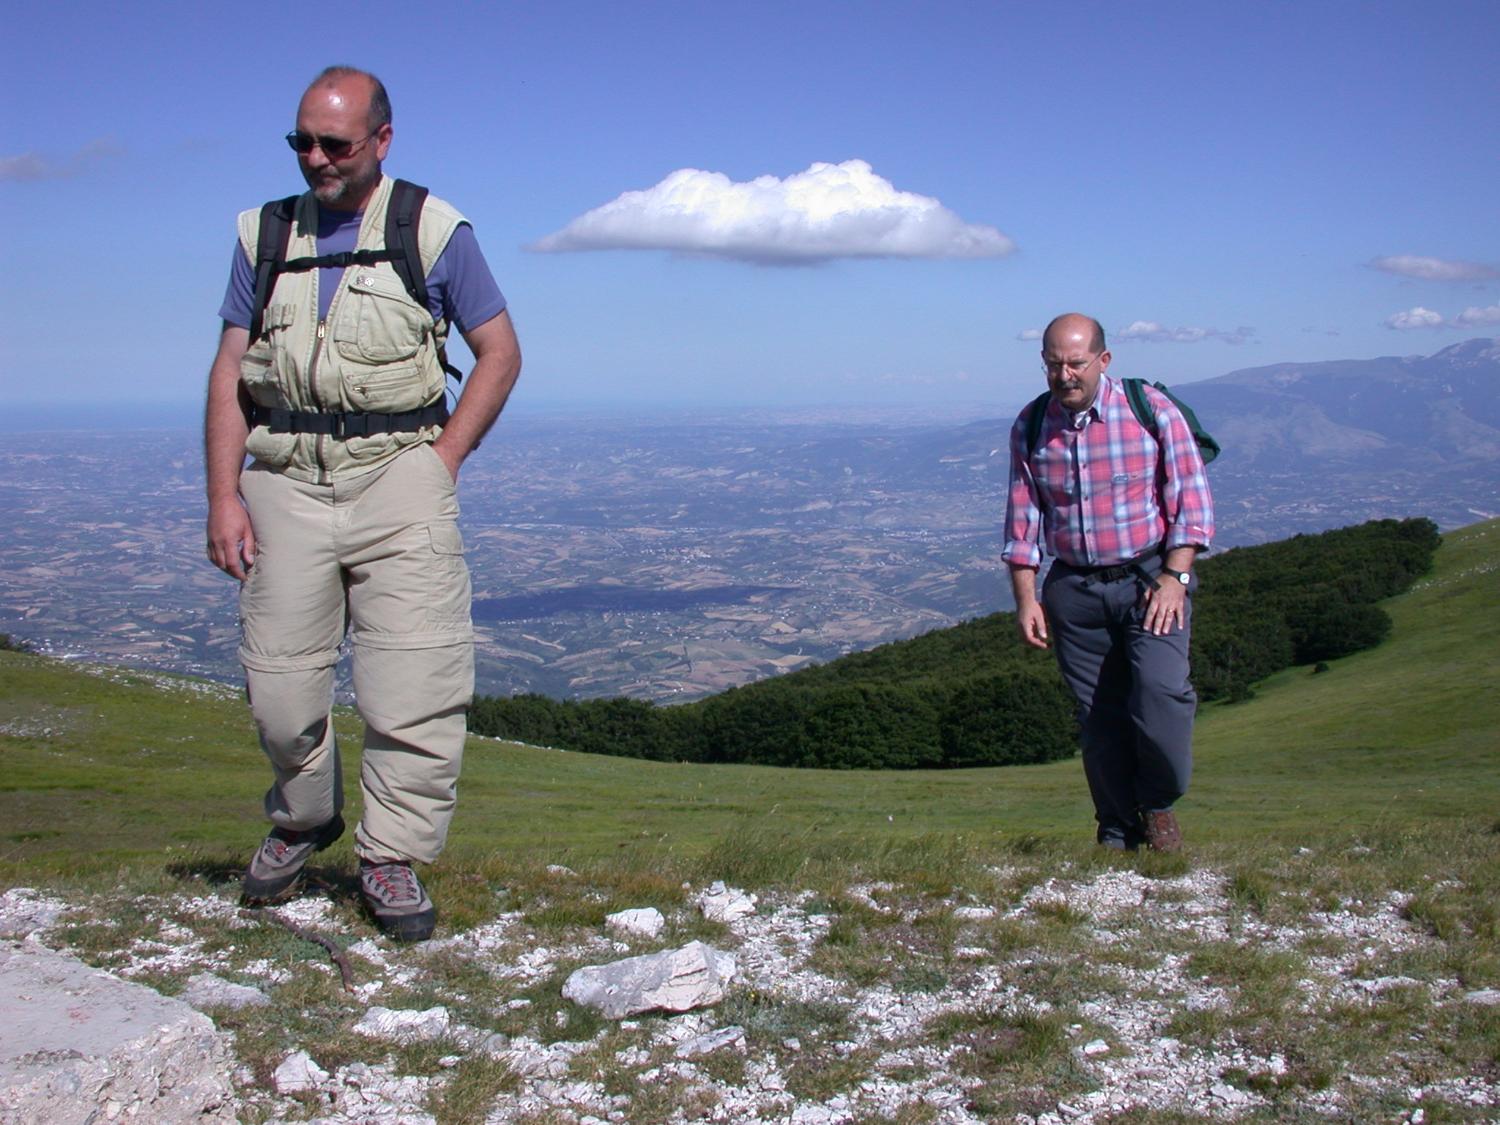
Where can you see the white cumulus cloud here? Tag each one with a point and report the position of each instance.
(1434, 269)
(829, 211)
(1415, 318)
(1155, 333)
(1476, 318)
(1029, 334)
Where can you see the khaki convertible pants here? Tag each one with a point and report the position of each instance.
(382, 555)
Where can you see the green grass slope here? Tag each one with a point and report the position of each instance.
(108, 772)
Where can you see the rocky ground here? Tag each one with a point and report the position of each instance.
(1093, 994)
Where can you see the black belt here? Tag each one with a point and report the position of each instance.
(1130, 568)
(280, 421)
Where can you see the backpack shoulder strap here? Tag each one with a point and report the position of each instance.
(271, 244)
(403, 215)
(1140, 406)
(1036, 412)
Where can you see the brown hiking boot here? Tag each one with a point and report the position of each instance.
(1162, 832)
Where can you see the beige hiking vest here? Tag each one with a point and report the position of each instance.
(376, 353)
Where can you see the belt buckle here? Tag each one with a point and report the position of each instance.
(339, 425)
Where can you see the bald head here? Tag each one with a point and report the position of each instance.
(1074, 327)
(1075, 359)
(348, 83)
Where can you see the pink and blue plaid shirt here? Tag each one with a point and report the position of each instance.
(1099, 491)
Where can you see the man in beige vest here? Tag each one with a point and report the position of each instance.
(345, 520)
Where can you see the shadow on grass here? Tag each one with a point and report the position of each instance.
(337, 883)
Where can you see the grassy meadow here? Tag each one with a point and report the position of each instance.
(117, 770)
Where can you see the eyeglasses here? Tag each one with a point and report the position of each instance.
(1074, 367)
(335, 148)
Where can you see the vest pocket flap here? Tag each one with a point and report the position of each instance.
(378, 322)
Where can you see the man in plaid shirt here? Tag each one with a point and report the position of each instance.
(1123, 514)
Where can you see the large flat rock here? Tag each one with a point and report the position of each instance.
(78, 1046)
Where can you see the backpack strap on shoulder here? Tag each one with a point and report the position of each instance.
(270, 252)
(1037, 413)
(402, 214)
(1140, 406)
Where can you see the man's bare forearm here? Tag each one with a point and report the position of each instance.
(497, 366)
(224, 426)
(1023, 584)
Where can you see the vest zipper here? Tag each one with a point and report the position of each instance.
(318, 399)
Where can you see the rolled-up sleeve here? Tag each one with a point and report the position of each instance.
(1023, 516)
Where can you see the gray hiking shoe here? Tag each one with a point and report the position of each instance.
(395, 897)
(276, 867)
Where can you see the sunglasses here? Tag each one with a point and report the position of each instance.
(335, 148)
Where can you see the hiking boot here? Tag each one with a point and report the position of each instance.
(1162, 833)
(276, 867)
(395, 897)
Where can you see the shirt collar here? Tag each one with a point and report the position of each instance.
(1095, 410)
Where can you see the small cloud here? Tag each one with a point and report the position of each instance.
(31, 166)
(1471, 317)
(1434, 269)
(1477, 318)
(1152, 332)
(829, 211)
(1029, 334)
(1415, 318)
(1321, 331)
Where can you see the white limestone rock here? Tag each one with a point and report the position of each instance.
(80, 1045)
(724, 904)
(675, 980)
(713, 1041)
(297, 1073)
(25, 911)
(404, 1025)
(209, 991)
(645, 921)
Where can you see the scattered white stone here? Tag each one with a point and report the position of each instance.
(646, 921)
(1096, 1047)
(713, 1041)
(25, 911)
(1483, 996)
(209, 991)
(403, 1025)
(973, 913)
(298, 1072)
(724, 904)
(675, 980)
(559, 870)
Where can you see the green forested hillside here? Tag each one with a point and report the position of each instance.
(972, 695)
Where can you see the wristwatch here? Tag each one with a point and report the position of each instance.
(1180, 575)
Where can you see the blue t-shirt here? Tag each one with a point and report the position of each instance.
(460, 287)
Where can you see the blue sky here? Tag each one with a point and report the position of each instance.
(1223, 185)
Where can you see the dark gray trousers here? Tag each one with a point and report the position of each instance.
(1135, 704)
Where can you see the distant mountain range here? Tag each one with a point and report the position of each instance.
(1412, 411)
(1307, 446)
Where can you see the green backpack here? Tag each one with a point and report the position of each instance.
(1208, 448)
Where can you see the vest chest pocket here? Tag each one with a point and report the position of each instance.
(262, 369)
(378, 323)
